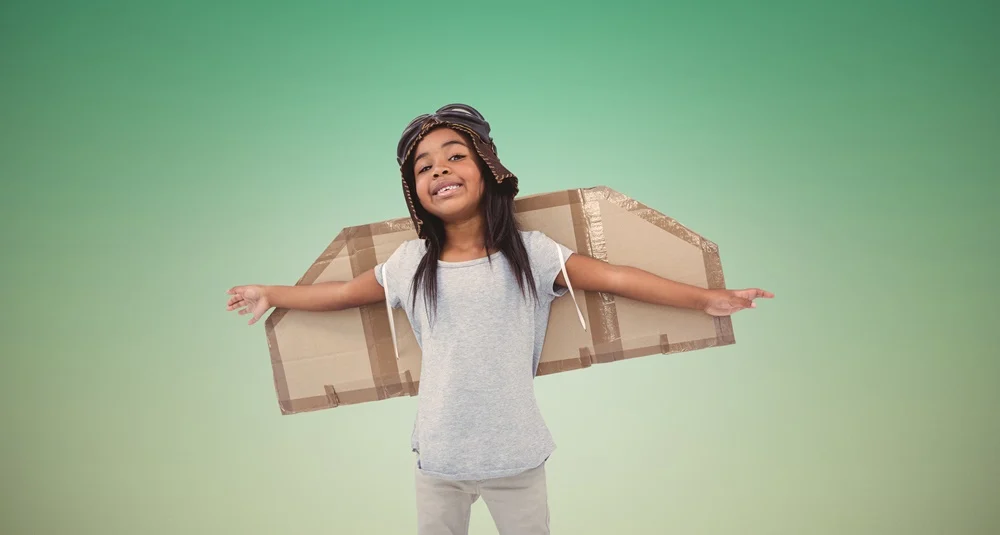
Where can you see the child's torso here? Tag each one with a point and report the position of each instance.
(478, 416)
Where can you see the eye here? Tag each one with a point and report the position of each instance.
(454, 158)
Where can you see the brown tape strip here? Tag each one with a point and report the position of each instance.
(724, 330)
(668, 224)
(602, 313)
(391, 226)
(556, 366)
(716, 280)
(277, 365)
(664, 347)
(543, 201)
(315, 270)
(333, 399)
(331, 396)
(374, 318)
(588, 226)
(409, 384)
(710, 252)
(713, 265)
(361, 249)
(312, 403)
(326, 257)
(385, 374)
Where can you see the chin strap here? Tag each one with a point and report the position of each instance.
(562, 265)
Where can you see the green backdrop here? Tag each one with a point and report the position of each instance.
(844, 156)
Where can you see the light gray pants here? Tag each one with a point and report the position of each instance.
(518, 504)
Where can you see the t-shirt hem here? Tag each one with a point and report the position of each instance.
(479, 476)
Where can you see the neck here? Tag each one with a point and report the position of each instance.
(464, 235)
(464, 239)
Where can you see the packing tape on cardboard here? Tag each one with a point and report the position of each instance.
(588, 230)
(646, 213)
(277, 364)
(374, 318)
(655, 345)
(602, 313)
(710, 253)
(588, 226)
(350, 394)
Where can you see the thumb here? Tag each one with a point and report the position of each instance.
(258, 312)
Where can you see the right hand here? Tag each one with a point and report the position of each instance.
(250, 300)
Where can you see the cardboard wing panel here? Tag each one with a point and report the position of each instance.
(327, 359)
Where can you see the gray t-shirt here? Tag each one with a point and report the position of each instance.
(477, 416)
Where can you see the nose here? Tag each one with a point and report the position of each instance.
(441, 171)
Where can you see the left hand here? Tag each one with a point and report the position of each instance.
(726, 302)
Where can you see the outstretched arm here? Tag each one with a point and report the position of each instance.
(590, 274)
(334, 295)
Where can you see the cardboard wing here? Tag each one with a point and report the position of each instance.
(327, 359)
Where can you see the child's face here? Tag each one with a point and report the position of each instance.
(446, 172)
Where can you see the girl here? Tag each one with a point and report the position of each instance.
(477, 291)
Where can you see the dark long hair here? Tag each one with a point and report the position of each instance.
(501, 232)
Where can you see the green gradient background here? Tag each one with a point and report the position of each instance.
(844, 157)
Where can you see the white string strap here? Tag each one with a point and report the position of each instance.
(562, 265)
(388, 308)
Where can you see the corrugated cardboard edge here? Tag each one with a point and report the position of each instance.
(603, 317)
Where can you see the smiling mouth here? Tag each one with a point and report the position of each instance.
(447, 190)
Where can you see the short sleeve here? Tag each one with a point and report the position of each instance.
(395, 273)
(381, 273)
(546, 263)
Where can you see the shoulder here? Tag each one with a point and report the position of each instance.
(546, 253)
(405, 257)
(410, 252)
(539, 243)
(402, 262)
(535, 239)
(410, 248)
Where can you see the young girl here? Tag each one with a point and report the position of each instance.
(477, 291)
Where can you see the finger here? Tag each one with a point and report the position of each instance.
(258, 313)
(741, 302)
(235, 300)
(757, 292)
(754, 293)
(235, 304)
(244, 312)
(235, 290)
